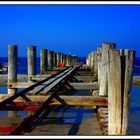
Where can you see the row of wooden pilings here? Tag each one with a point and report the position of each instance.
(48, 60)
(114, 68)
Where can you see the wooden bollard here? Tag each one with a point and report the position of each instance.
(120, 72)
(50, 59)
(99, 55)
(55, 59)
(92, 61)
(31, 53)
(65, 61)
(88, 61)
(104, 68)
(43, 60)
(95, 62)
(68, 60)
(12, 66)
(58, 58)
(61, 58)
(12, 72)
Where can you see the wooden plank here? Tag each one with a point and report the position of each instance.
(70, 100)
(75, 85)
(94, 85)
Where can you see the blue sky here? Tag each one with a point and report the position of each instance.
(69, 28)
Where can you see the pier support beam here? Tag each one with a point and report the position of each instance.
(104, 68)
(43, 60)
(95, 62)
(119, 85)
(12, 72)
(99, 55)
(55, 59)
(12, 66)
(50, 59)
(31, 53)
(61, 58)
(58, 58)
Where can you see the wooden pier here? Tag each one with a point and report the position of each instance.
(107, 75)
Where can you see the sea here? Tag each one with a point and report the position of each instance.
(134, 111)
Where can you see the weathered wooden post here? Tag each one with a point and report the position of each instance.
(58, 58)
(61, 57)
(65, 61)
(120, 70)
(12, 66)
(104, 68)
(12, 72)
(55, 59)
(43, 60)
(88, 61)
(31, 53)
(68, 60)
(50, 59)
(99, 55)
(92, 61)
(95, 63)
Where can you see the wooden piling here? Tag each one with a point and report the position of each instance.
(92, 61)
(50, 59)
(88, 60)
(99, 55)
(43, 60)
(55, 59)
(95, 64)
(31, 62)
(65, 61)
(104, 67)
(12, 72)
(12, 66)
(69, 60)
(61, 57)
(129, 62)
(120, 70)
(58, 58)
